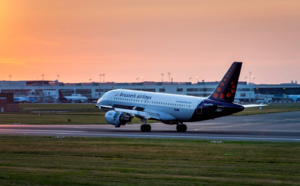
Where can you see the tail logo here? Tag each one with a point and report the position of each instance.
(226, 89)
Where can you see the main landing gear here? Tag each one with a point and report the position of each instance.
(181, 127)
(145, 128)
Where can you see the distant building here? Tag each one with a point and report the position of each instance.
(277, 91)
(7, 103)
(47, 91)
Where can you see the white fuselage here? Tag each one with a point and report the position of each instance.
(76, 98)
(168, 106)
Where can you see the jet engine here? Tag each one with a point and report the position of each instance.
(117, 118)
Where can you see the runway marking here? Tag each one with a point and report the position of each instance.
(76, 133)
(32, 130)
(198, 137)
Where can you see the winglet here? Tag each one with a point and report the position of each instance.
(226, 89)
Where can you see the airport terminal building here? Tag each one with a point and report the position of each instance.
(47, 91)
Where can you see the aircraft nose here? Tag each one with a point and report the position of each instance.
(98, 103)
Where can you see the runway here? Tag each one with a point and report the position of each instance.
(266, 127)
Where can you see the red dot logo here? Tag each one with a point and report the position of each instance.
(222, 96)
(232, 83)
(222, 84)
(228, 94)
(219, 89)
(216, 95)
(227, 75)
(232, 91)
(233, 86)
(225, 79)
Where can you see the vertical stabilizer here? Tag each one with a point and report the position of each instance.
(226, 89)
(61, 95)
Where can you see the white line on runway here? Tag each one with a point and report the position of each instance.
(32, 130)
(198, 137)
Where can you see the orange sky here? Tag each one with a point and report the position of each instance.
(129, 39)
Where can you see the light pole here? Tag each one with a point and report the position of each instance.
(253, 77)
(43, 78)
(162, 77)
(250, 77)
(197, 77)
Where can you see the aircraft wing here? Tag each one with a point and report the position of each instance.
(139, 114)
(254, 105)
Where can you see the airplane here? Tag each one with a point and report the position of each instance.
(122, 105)
(294, 97)
(24, 100)
(71, 99)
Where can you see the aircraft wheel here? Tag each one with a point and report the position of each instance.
(146, 128)
(181, 128)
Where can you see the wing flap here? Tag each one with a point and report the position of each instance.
(254, 105)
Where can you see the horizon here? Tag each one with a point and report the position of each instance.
(163, 83)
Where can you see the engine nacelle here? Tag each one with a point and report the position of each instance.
(117, 119)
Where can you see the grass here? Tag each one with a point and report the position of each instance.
(56, 114)
(119, 161)
(88, 114)
(271, 108)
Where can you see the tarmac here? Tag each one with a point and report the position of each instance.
(265, 127)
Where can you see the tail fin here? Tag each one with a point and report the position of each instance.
(226, 89)
(60, 94)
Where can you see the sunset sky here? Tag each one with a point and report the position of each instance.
(130, 39)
